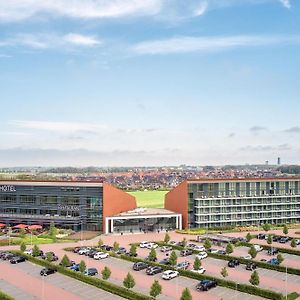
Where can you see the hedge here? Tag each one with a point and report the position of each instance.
(4, 296)
(99, 283)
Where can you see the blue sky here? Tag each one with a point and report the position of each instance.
(149, 82)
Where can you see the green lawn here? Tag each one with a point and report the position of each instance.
(154, 199)
(35, 240)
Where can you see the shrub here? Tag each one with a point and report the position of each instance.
(224, 272)
(132, 250)
(49, 256)
(293, 243)
(167, 238)
(106, 272)
(186, 295)
(152, 255)
(197, 263)
(173, 258)
(82, 266)
(129, 281)
(36, 251)
(254, 279)
(65, 261)
(4, 296)
(252, 251)
(269, 240)
(280, 258)
(248, 237)
(100, 243)
(155, 289)
(207, 244)
(285, 229)
(266, 227)
(116, 246)
(229, 248)
(23, 247)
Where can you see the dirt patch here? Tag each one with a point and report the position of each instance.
(85, 235)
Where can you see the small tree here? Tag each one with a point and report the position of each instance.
(266, 227)
(36, 251)
(106, 272)
(248, 237)
(184, 242)
(207, 244)
(186, 295)
(173, 258)
(152, 255)
(82, 266)
(252, 251)
(285, 229)
(269, 240)
(132, 250)
(52, 230)
(254, 279)
(224, 272)
(155, 289)
(65, 261)
(116, 246)
(167, 238)
(22, 233)
(197, 263)
(129, 281)
(293, 243)
(229, 248)
(23, 247)
(280, 258)
(100, 243)
(49, 256)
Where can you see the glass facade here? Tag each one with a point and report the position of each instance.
(243, 203)
(73, 207)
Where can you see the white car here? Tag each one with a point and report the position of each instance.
(199, 248)
(169, 274)
(200, 271)
(246, 256)
(151, 246)
(83, 251)
(165, 249)
(29, 252)
(101, 255)
(144, 244)
(202, 255)
(258, 248)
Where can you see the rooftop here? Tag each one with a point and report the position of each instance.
(146, 212)
(51, 183)
(205, 180)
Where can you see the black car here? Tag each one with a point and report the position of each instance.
(76, 249)
(8, 256)
(17, 259)
(131, 254)
(165, 261)
(54, 257)
(91, 272)
(186, 252)
(223, 252)
(153, 270)
(205, 285)
(276, 238)
(233, 263)
(183, 265)
(121, 250)
(251, 266)
(139, 266)
(261, 236)
(272, 251)
(46, 272)
(92, 252)
(284, 240)
(107, 247)
(72, 263)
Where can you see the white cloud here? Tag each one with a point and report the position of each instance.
(286, 3)
(207, 44)
(201, 9)
(50, 40)
(17, 10)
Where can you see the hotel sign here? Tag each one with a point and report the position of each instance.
(7, 188)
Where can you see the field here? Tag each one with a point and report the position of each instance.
(154, 199)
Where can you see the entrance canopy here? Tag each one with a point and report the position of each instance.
(20, 226)
(35, 227)
(2, 225)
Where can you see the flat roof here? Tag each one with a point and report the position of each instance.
(51, 183)
(146, 212)
(209, 180)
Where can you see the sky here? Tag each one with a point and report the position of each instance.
(149, 82)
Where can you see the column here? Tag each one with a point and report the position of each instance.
(112, 226)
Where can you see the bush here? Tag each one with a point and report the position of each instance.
(106, 272)
(23, 247)
(197, 263)
(254, 279)
(229, 248)
(155, 289)
(224, 272)
(129, 281)
(167, 238)
(173, 258)
(4, 296)
(252, 251)
(36, 251)
(65, 261)
(186, 295)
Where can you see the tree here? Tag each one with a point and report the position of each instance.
(82, 266)
(49, 256)
(207, 244)
(129, 281)
(36, 251)
(266, 227)
(248, 237)
(252, 251)
(254, 279)
(116, 246)
(184, 242)
(293, 243)
(167, 238)
(197, 263)
(155, 289)
(229, 248)
(52, 230)
(186, 295)
(22, 233)
(23, 247)
(285, 229)
(132, 250)
(224, 272)
(106, 272)
(173, 258)
(100, 243)
(280, 258)
(269, 240)
(65, 261)
(152, 255)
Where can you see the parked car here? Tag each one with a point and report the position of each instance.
(186, 252)
(72, 263)
(121, 250)
(251, 266)
(91, 272)
(150, 259)
(200, 271)
(233, 263)
(17, 259)
(273, 261)
(284, 240)
(153, 270)
(202, 255)
(8, 256)
(75, 267)
(47, 271)
(206, 284)
(151, 246)
(165, 249)
(107, 247)
(191, 246)
(212, 250)
(272, 251)
(180, 244)
(76, 249)
(182, 265)
(248, 256)
(261, 236)
(144, 244)
(139, 266)
(297, 241)
(199, 248)
(92, 253)
(223, 252)
(258, 248)
(128, 253)
(169, 274)
(165, 261)
(172, 243)
(54, 257)
(83, 251)
(276, 238)
(101, 255)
